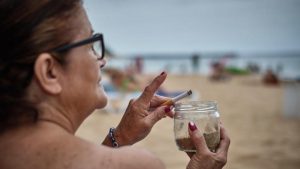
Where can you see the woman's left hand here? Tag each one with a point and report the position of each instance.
(142, 113)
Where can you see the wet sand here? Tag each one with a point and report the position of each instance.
(252, 113)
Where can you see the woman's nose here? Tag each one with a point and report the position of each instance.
(102, 63)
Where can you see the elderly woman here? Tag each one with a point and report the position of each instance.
(50, 81)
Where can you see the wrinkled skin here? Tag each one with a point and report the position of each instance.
(142, 113)
(204, 158)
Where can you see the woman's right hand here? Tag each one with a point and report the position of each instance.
(204, 158)
(142, 114)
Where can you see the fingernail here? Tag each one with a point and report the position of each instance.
(167, 109)
(192, 126)
(162, 73)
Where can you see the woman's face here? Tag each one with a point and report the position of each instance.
(82, 75)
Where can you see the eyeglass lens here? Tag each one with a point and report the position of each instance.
(97, 46)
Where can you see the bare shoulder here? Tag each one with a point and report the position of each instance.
(134, 158)
(62, 150)
(126, 157)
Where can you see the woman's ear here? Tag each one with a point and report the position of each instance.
(46, 71)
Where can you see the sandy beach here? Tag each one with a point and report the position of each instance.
(261, 136)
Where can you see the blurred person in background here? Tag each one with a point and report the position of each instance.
(50, 81)
(270, 78)
(218, 72)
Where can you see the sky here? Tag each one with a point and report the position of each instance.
(133, 27)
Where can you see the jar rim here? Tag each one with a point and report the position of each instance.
(196, 106)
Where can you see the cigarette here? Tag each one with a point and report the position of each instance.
(177, 98)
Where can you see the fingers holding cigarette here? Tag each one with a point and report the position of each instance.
(167, 103)
(177, 98)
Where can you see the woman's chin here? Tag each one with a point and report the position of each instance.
(102, 102)
(102, 98)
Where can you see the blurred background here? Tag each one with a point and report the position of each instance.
(243, 54)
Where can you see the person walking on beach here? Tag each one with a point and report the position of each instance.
(50, 82)
(196, 61)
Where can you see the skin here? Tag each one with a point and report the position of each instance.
(63, 105)
(204, 158)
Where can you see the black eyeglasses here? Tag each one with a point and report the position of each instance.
(98, 45)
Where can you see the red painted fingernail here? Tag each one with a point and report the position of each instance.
(167, 109)
(162, 73)
(192, 126)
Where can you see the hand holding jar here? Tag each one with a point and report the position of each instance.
(204, 158)
(206, 146)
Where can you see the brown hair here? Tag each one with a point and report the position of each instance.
(29, 28)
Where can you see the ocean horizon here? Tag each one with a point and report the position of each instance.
(285, 64)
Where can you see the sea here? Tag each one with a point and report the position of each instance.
(265, 33)
(285, 65)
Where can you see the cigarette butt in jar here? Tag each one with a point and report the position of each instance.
(177, 98)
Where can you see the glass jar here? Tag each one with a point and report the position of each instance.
(206, 117)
